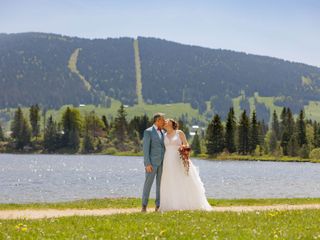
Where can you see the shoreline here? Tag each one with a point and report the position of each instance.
(222, 157)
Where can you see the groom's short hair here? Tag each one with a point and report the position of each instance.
(158, 115)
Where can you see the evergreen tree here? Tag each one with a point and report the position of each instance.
(34, 117)
(316, 135)
(88, 143)
(253, 133)
(74, 139)
(243, 132)
(290, 121)
(195, 145)
(71, 121)
(139, 124)
(287, 128)
(285, 141)
(262, 133)
(293, 146)
(301, 129)
(1, 134)
(184, 128)
(215, 139)
(21, 131)
(209, 139)
(51, 139)
(284, 122)
(93, 127)
(230, 132)
(276, 125)
(214, 136)
(120, 130)
(273, 142)
(105, 123)
(304, 151)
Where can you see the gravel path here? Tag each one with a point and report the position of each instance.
(49, 213)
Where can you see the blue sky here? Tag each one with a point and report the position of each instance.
(283, 28)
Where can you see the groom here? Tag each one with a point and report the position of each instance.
(153, 150)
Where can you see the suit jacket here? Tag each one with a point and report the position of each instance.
(153, 147)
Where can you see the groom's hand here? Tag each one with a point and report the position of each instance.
(149, 168)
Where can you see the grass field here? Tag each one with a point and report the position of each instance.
(296, 224)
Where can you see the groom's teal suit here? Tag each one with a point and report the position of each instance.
(153, 150)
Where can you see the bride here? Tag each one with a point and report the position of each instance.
(179, 190)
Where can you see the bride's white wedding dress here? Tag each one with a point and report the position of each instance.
(179, 191)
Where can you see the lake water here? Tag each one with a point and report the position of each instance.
(52, 178)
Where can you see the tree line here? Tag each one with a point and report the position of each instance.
(90, 133)
(87, 133)
(286, 136)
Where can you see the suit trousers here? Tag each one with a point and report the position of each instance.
(149, 179)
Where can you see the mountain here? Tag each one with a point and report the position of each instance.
(54, 70)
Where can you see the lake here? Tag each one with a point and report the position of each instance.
(53, 178)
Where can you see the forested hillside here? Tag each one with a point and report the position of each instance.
(196, 74)
(54, 70)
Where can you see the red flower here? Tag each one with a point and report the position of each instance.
(184, 152)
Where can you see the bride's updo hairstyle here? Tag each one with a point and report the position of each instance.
(175, 124)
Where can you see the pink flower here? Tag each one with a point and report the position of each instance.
(184, 152)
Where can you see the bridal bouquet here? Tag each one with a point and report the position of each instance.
(184, 152)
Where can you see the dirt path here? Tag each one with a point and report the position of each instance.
(49, 213)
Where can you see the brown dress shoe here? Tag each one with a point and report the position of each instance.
(156, 209)
(144, 209)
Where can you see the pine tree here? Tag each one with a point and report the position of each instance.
(139, 124)
(21, 131)
(304, 151)
(301, 129)
(275, 125)
(105, 123)
(290, 121)
(88, 143)
(195, 145)
(71, 121)
(293, 146)
(273, 143)
(209, 139)
(51, 136)
(184, 128)
(316, 135)
(243, 131)
(93, 127)
(287, 128)
(34, 117)
(253, 133)
(284, 122)
(120, 130)
(215, 139)
(230, 132)
(1, 134)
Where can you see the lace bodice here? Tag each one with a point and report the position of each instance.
(173, 140)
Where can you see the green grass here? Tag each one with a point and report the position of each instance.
(312, 110)
(138, 71)
(174, 110)
(172, 225)
(136, 203)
